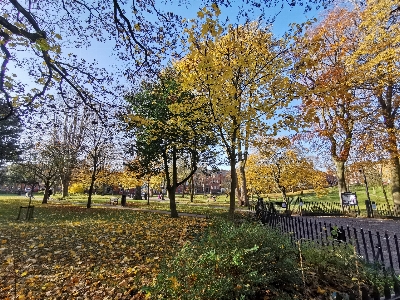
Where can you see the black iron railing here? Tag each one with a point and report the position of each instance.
(376, 248)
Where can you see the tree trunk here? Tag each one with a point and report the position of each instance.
(46, 192)
(148, 192)
(232, 162)
(65, 185)
(89, 203)
(172, 188)
(395, 182)
(238, 194)
(172, 203)
(388, 108)
(394, 166)
(243, 184)
(138, 193)
(191, 189)
(283, 191)
(341, 178)
(92, 180)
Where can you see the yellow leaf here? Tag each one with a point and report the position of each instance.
(320, 291)
(24, 274)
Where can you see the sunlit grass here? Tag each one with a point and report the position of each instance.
(68, 250)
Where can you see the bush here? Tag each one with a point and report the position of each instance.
(337, 267)
(247, 261)
(76, 188)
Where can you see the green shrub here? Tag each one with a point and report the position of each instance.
(337, 268)
(231, 261)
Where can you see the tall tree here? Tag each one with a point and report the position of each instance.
(167, 128)
(376, 65)
(331, 108)
(238, 72)
(44, 164)
(67, 134)
(99, 152)
(10, 131)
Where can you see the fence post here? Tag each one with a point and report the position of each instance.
(365, 245)
(326, 233)
(311, 230)
(297, 231)
(379, 247)
(396, 242)
(349, 234)
(388, 249)
(320, 233)
(372, 246)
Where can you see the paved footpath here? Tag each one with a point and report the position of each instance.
(372, 224)
(392, 227)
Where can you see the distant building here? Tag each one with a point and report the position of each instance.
(207, 182)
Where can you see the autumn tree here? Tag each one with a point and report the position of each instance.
(257, 174)
(44, 163)
(284, 166)
(99, 151)
(376, 66)
(67, 131)
(331, 108)
(164, 131)
(238, 72)
(144, 167)
(37, 36)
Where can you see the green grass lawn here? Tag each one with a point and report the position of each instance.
(70, 252)
(67, 250)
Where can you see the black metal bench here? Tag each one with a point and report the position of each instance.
(29, 212)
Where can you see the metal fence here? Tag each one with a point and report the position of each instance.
(377, 248)
(303, 207)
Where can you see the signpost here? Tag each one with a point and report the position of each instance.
(349, 199)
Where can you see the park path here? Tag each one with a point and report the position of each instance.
(372, 224)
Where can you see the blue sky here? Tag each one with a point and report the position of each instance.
(103, 53)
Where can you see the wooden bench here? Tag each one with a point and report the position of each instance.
(114, 201)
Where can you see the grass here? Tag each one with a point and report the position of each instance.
(332, 196)
(69, 252)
